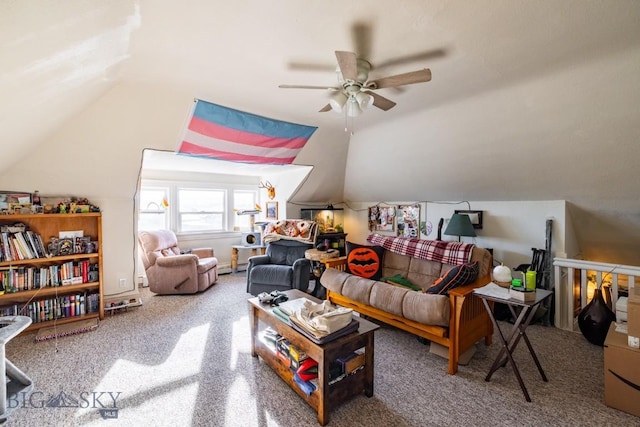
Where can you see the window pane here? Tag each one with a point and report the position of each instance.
(152, 221)
(153, 213)
(201, 210)
(201, 222)
(201, 200)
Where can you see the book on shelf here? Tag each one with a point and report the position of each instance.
(16, 253)
(5, 253)
(36, 243)
(54, 308)
(307, 387)
(24, 278)
(21, 245)
(31, 243)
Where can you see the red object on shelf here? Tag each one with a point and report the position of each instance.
(308, 370)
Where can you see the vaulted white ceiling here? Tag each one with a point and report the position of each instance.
(529, 100)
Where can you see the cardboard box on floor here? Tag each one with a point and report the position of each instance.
(621, 373)
(633, 312)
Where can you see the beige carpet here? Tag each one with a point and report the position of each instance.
(185, 361)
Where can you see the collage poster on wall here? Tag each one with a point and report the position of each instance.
(381, 218)
(408, 219)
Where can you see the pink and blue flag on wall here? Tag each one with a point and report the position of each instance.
(226, 134)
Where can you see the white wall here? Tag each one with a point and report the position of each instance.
(98, 156)
(511, 229)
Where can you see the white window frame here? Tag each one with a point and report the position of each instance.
(174, 214)
(179, 211)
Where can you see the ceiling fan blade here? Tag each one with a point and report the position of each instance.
(308, 87)
(381, 102)
(401, 79)
(420, 56)
(325, 108)
(347, 62)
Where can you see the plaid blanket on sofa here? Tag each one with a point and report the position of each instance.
(433, 250)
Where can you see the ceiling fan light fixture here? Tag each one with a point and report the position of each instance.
(353, 109)
(337, 101)
(355, 92)
(364, 99)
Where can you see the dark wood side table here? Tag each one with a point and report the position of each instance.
(327, 396)
(317, 259)
(518, 331)
(335, 240)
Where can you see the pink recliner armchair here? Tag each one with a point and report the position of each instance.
(170, 272)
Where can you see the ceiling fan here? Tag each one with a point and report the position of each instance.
(355, 92)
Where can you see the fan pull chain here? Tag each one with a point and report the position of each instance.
(346, 121)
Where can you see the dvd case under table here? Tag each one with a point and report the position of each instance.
(326, 396)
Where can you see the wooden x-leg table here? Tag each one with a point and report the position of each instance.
(518, 332)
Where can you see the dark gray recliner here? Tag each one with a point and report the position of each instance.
(282, 267)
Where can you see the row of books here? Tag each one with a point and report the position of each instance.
(305, 369)
(55, 308)
(21, 245)
(15, 279)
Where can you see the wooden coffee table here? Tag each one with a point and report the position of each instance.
(326, 396)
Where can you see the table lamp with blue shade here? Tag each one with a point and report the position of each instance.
(460, 225)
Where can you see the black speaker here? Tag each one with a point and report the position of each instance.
(250, 239)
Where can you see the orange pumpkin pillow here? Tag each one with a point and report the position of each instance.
(365, 260)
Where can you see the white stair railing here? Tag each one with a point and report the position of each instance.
(571, 288)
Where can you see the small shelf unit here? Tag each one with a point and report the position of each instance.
(48, 226)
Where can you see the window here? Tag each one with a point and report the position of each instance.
(196, 207)
(153, 208)
(201, 210)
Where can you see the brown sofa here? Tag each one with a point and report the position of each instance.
(456, 321)
(171, 272)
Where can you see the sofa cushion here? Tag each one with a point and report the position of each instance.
(457, 276)
(364, 260)
(388, 297)
(427, 309)
(357, 288)
(420, 272)
(333, 279)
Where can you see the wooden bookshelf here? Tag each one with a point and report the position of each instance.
(48, 226)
